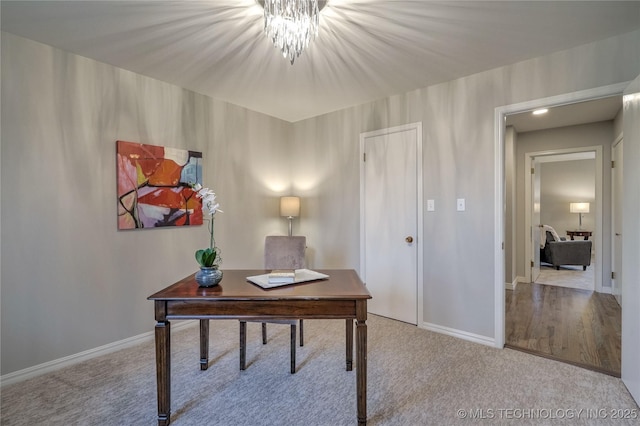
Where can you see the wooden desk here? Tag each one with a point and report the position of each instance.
(585, 234)
(342, 296)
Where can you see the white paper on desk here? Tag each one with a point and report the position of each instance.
(302, 275)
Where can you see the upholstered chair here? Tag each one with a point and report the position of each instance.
(280, 252)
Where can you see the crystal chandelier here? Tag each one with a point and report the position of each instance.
(291, 24)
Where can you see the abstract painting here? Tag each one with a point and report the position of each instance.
(154, 186)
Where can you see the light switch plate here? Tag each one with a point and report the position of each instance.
(460, 204)
(431, 205)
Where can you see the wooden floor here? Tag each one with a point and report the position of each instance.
(580, 327)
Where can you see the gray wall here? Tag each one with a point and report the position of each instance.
(71, 282)
(617, 124)
(564, 182)
(588, 135)
(458, 162)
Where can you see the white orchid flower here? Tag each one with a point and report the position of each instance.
(208, 199)
(212, 206)
(211, 256)
(204, 192)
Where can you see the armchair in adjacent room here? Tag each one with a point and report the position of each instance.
(557, 251)
(280, 252)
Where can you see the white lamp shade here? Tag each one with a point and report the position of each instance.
(290, 206)
(579, 207)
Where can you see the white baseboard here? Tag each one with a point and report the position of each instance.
(512, 285)
(56, 364)
(476, 338)
(605, 290)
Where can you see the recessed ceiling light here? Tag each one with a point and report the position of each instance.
(540, 111)
(630, 97)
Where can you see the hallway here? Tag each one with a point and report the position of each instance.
(576, 326)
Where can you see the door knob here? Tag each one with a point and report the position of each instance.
(409, 239)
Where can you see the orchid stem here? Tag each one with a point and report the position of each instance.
(212, 242)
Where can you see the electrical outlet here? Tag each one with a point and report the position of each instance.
(460, 204)
(431, 205)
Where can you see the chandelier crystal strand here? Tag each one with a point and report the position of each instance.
(291, 25)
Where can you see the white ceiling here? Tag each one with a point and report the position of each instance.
(603, 109)
(366, 49)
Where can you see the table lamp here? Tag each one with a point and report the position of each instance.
(290, 208)
(579, 208)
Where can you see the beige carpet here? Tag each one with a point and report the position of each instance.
(415, 377)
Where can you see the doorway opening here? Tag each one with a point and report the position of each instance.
(561, 179)
(515, 266)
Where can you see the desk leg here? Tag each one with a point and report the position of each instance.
(243, 343)
(361, 360)
(349, 334)
(204, 344)
(163, 371)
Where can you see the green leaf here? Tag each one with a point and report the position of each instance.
(206, 257)
(199, 255)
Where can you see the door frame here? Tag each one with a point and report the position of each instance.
(598, 230)
(533, 195)
(417, 127)
(500, 114)
(616, 208)
(630, 371)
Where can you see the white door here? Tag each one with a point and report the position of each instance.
(631, 241)
(616, 221)
(535, 220)
(390, 200)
